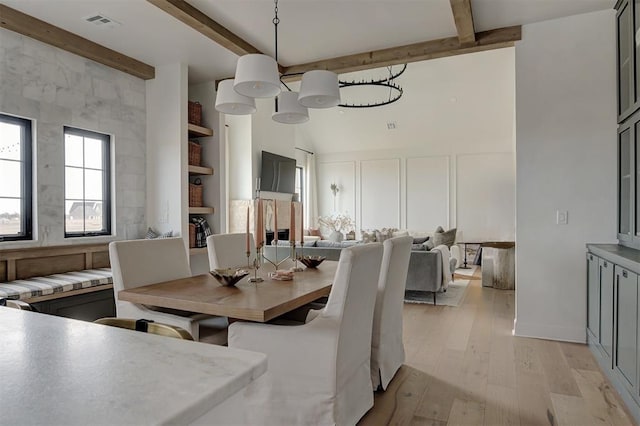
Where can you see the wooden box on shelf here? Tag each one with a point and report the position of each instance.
(195, 113)
(195, 153)
(192, 235)
(195, 193)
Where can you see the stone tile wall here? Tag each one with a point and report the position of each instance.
(56, 88)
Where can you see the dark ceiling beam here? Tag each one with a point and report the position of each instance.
(29, 26)
(463, 17)
(450, 46)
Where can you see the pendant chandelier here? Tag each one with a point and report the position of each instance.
(387, 84)
(257, 76)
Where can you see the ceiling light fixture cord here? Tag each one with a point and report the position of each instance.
(258, 76)
(276, 21)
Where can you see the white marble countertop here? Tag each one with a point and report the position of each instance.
(55, 370)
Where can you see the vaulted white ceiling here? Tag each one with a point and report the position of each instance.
(309, 29)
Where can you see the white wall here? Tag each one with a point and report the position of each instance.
(427, 175)
(56, 88)
(456, 104)
(485, 197)
(269, 135)
(454, 139)
(380, 193)
(241, 183)
(566, 160)
(248, 136)
(343, 174)
(167, 191)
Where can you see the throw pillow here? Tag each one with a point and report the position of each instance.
(418, 247)
(151, 234)
(315, 232)
(446, 237)
(420, 240)
(368, 236)
(428, 245)
(383, 234)
(440, 229)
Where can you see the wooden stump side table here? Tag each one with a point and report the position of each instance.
(498, 265)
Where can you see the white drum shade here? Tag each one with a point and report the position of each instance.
(257, 76)
(231, 102)
(319, 89)
(289, 111)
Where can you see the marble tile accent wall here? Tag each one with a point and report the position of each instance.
(56, 88)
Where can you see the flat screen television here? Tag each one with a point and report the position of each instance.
(278, 173)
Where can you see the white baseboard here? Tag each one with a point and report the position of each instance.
(550, 332)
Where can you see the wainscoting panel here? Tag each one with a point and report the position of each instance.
(380, 193)
(427, 193)
(486, 196)
(343, 174)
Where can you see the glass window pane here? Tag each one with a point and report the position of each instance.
(73, 183)
(624, 60)
(15, 178)
(85, 182)
(93, 216)
(636, 42)
(624, 182)
(93, 153)
(10, 178)
(10, 141)
(73, 150)
(10, 219)
(93, 185)
(74, 212)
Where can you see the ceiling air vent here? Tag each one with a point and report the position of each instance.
(98, 19)
(392, 125)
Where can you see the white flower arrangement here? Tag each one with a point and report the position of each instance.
(337, 222)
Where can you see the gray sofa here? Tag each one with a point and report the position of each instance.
(425, 267)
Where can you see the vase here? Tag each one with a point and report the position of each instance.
(336, 236)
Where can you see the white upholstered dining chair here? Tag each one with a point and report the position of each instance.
(135, 263)
(387, 349)
(229, 250)
(319, 372)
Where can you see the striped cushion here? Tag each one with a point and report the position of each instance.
(58, 283)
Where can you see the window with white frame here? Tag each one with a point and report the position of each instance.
(15, 178)
(87, 181)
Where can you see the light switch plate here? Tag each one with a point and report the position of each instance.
(562, 217)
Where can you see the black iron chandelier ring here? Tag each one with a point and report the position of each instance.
(395, 90)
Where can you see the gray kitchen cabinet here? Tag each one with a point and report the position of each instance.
(626, 326)
(593, 297)
(626, 69)
(615, 269)
(625, 183)
(606, 309)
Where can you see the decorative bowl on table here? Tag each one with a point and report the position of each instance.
(311, 261)
(282, 275)
(229, 276)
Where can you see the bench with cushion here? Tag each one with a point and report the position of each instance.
(72, 281)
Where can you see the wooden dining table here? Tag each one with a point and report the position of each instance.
(259, 302)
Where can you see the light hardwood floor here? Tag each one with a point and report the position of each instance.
(463, 367)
